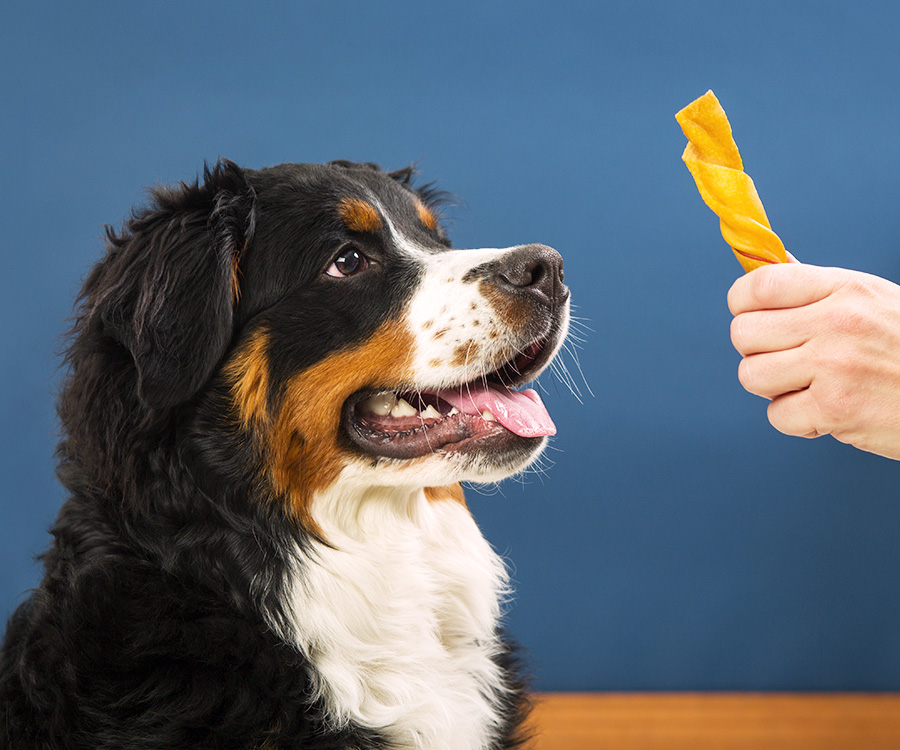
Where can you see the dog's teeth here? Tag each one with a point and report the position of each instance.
(403, 409)
(430, 413)
(453, 411)
(381, 404)
(488, 417)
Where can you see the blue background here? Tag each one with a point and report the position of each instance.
(677, 541)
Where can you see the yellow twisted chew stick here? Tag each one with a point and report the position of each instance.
(713, 159)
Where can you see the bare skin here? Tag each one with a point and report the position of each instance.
(823, 345)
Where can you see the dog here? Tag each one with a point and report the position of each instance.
(276, 380)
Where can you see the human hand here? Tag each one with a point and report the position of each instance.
(823, 344)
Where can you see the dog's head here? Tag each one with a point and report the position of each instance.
(343, 336)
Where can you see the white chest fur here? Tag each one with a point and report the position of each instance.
(398, 618)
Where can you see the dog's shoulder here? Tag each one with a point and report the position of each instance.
(117, 649)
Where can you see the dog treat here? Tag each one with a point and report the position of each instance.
(715, 163)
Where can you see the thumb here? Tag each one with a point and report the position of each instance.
(783, 285)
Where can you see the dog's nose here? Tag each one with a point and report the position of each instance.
(535, 270)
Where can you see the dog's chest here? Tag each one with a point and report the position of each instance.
(398, 618)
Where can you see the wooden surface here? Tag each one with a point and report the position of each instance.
(697, 721)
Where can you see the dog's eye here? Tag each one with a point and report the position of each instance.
(350, 261)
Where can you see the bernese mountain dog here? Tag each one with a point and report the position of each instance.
(277, 379)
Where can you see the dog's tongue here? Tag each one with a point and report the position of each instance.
(521, 412)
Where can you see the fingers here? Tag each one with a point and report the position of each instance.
(770, 330)
(792, 414)
(775, 373)
(781, 286)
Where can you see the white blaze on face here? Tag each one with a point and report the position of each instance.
(457, 332)
(466, 328)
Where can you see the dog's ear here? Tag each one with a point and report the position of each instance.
(167, 288)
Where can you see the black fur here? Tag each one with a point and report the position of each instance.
(148, 630)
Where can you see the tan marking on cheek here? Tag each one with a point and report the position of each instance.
(452, 492)
(308, 455)
(440, 334)
(464, 354)
(248, 374)
(435, 363)
(300, 441)
(426, 215)
(359, 216)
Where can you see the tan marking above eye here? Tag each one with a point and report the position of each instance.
(359, 216)
(426, 216)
